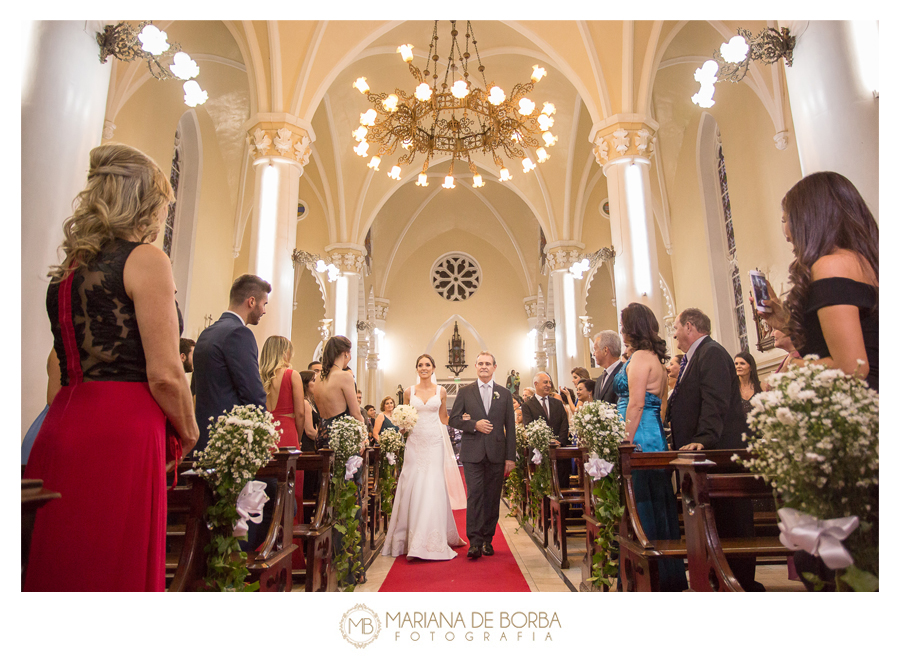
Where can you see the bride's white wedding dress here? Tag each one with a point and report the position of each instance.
(422, 523)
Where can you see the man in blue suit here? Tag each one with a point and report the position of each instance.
(226, 362)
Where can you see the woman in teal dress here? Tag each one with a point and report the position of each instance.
(641, 387)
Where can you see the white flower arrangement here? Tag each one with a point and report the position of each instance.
(392, 444)
(347, 437)
(405, 417)
(600, 430)
(538, 436)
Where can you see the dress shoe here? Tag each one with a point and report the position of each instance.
(474, 552)
(487, 549)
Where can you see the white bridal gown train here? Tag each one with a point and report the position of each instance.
(422, 523)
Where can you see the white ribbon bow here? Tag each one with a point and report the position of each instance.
(250, 506)
(822, 538)
(536, 459)
(390, 458)
(598, 468)
(353, 465)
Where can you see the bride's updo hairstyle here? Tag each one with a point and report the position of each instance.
(426, 356)
(335, 346)
(125, 191)
(641, 329)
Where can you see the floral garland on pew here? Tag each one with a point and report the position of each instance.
(600, 430)
(815, 439)
(240, 443)
(537, 439)
(514, 484)
(347, 437)
(392, 448)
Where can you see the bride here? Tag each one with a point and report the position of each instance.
(422, 523)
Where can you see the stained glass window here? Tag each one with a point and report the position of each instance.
(740, 317)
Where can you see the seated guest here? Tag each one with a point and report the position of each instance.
(383, 420)
(745, 365)
(831, 309)
(102, 445)
(673, 367)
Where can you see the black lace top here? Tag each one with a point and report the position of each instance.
(840, 291)
(91, 313)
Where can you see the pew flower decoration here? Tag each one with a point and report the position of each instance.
(405, 417)
(347, 437)
(537, 438)
(392, 447)
(600, 430)
(814, 438)
(240, 443)
(514, 484)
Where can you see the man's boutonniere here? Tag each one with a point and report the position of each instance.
(496, 395)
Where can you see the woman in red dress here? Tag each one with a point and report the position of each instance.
(115, 329)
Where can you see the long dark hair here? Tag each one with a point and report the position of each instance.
(641, 328)
(429, 357)
(307, 376)
(754, 375)
(824, 212)
(335, 346)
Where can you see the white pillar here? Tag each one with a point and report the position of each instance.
(273, 238)
(567, 297)
(64, 89)
(831, 85)
(633, 234)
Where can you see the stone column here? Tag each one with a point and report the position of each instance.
(376, 372)
(279, 145)
(568, 303)
(349, 259)
(64, 90)
(832, 85)
(623, 146)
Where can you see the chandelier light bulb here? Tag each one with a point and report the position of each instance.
(362, 85)
(549, 108)
(526, 107)
(153, 40)
(390, 103)
(423, 180)
(538, 73)
(706, 76)
(423, 92)
(407, 144)
(360, 133)
(477, 181)
(395, 173)
(193, 95)
(459, 89)
(448, 183)
(374, 162)
(542, 155)
(735, 50)
(368, 118)
(320, 266)
(527, 165)
(496, 96)
(333, 272)
(545, 121)
(406, 52)
(362, 149)
(505, 175)
(184, 67)
(549, 138)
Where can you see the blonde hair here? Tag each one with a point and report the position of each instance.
(276, 353)
(125, 191)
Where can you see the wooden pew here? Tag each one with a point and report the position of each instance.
(34, 497)
(707, 553)
(376, 529)
(315, 535)
(540, 530)
(566, 504)
(592, 529)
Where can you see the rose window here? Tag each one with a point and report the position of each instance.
(455, 277)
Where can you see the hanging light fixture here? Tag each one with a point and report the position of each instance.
(768, 46)
(451, 114)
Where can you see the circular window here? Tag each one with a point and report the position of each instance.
(455, 277)
(302, 209)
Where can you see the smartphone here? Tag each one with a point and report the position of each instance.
(760, 289)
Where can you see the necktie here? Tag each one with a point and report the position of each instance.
(486, 396)
(681, 370)
(546, 408)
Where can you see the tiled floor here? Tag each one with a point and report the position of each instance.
(541, 576)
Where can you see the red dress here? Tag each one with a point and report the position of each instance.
(102, 444)
(290, 439)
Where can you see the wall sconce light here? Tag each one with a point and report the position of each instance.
(768, 46)
(606, 254)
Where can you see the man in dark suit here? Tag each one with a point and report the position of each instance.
(483, 412)
(607, 355)
(543, 405)
(705, 413)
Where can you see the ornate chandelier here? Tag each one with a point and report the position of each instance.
(457, 117)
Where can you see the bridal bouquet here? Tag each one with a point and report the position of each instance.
(347, 437)
(600, 430)
(815, 440)
(240, 443)
(405, 417)
(392, 447)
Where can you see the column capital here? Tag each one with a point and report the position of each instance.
(381, 308)
(624, 136)
(531, 306)
(563, 257)
(280, 135)
(346, 256)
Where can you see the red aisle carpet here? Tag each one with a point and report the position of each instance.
(497, 573)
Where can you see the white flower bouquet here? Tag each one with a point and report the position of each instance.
(537, 439)
(405, 417)
(815, 440)
(347, 437)
(600, 430)
(391, 442)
